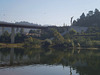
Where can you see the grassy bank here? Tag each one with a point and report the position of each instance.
(11, 45)
(89, 48)
(8, 45)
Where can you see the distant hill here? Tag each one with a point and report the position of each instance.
(91, 19)
(27, 23)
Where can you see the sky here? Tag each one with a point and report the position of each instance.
(45, 12)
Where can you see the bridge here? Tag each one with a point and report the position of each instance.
(34, 26)
(14, 25)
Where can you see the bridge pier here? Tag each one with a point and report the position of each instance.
(2, 30)
(22, 30)
(12, 35)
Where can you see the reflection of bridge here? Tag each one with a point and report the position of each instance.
(13, 26)
(17, 58)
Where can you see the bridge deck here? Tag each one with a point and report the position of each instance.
(21, 26)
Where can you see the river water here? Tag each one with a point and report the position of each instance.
(31, 61)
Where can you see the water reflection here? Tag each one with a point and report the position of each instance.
(70, 71)
(11, 56)
(85, 62)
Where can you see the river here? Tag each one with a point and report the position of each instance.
(31, 61)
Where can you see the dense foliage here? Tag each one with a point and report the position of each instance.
(92, 18)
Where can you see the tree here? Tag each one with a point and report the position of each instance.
(96, 11)
(46, 33)
(88, 43)
(68, 43)
(82, 16)
(90, 13)
(22, 30)
(31, 31)
(72, 31)
(30, 42)
(46, 43)
(5, 37)
(58, 38)
(74, 22)
(19, 38)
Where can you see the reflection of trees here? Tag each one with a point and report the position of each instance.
(85, 62)
(70, 71)
(3, 53)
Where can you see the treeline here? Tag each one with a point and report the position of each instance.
(55, 39)
(69, 40)
(92, 18)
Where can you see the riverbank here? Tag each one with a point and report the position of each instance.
(90, 48)
(19, 45)
(11, 45)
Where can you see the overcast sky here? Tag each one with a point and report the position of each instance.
(54, 12)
